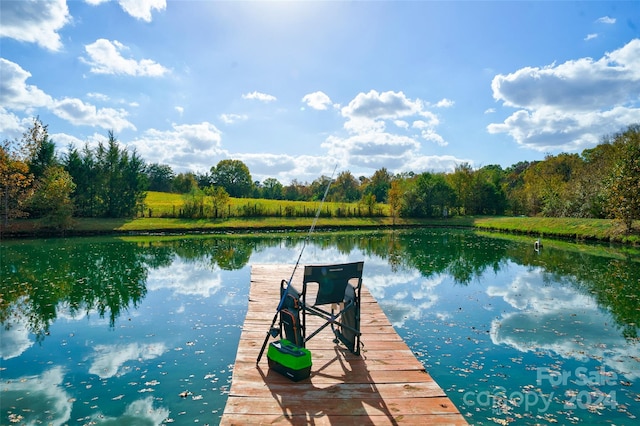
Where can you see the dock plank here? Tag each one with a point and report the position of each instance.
(385, 384)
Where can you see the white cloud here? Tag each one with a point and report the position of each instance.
(105, 57)
(318, 100)
(367, 147)
(306, 168)
(108, 360)
(15, 338)
(98, 96)
(422, 124)
(79, 113)
(15, 93)
(606, 20)
(578, 85)
(429, 163)
(571, 313)
(283, 167)
(141, 9)
(180, 110)
(370, 144)
(34, 21)
(427, 130)
(385, 105)
(39, 399)
(12, 126)
(590, 37)
(182, 278)
(63, 141)
(401, 123)
(404, 305)
(362, 125)
(445, 103)
(233, 118)
(259, 96)
(367, 112)
(187, 147)
(140, 411)
(431, 136)
(570, 105)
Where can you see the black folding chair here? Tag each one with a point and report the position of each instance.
(338, 286)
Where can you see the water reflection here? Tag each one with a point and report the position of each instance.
(560, 319)
(43, 397)
(106, 321)
(108, 360)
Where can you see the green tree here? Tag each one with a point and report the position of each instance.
(379, 184)
(513, 187)
(624, 184)
(316, 190)
(548, 184)
(345, 188)
(442, 196)
(42, 155)
(296, 191)
(488, 194)
(272, 189)
(184, 183)
(110, 181)
(203, 180)
(461, 180)
(193, 204)
(430, 196)
(395, 200)
(233, 176)
(125, 182)
(52, 197)
(160, 177)
(83, 170)
(369, 203)
(589, 189)
(219, 199)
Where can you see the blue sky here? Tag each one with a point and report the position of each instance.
(294, 88)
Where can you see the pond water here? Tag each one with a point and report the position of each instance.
(144, 330)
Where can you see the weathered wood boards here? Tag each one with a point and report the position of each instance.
(386, 384)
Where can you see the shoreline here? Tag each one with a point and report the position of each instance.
(597, 230)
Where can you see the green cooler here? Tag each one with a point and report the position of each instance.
(289, 360)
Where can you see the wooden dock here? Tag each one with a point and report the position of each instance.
(386, 384)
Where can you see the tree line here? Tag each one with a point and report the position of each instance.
(110, 181)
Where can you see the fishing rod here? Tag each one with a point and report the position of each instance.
(304, 244)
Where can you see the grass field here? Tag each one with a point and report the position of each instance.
(163, 204)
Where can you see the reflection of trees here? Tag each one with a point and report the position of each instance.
(40, 276)
(227, 252)
(613, 282)
(110, 279)
(461, 254)
(109, 276)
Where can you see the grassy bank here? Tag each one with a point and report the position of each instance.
(94, 226)
(579, 229)
(575, 229)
